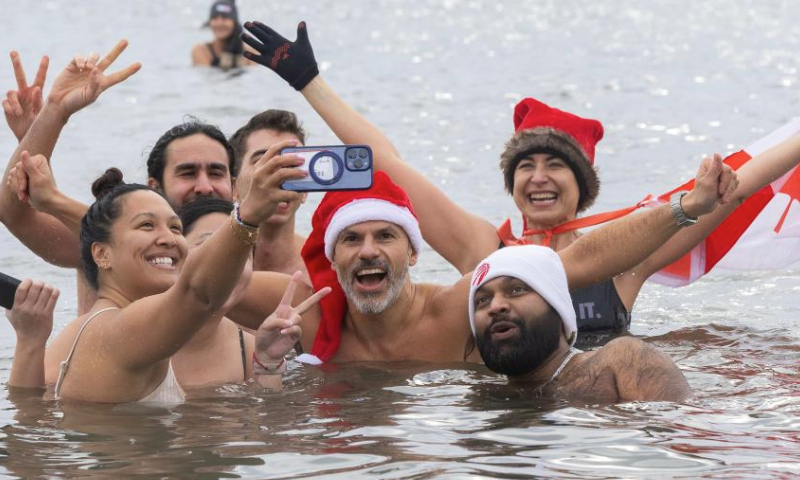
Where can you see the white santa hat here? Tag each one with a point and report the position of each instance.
(336, 212)
(540, 268)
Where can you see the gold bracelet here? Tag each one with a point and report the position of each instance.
(246, 235)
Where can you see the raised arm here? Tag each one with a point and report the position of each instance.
(32, 180)
(462, 238)
(623, 244)
(754, 175)
(207, 279)
(79, 85)
(22, 105)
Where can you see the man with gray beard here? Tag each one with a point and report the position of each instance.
(524, 325)
(363, 243)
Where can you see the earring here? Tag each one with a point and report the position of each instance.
(103, 265)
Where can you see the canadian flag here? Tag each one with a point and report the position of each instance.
(763, 233)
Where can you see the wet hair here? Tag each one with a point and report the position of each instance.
(96, 224)
(282, 121)
(157, 160)
(200, 207)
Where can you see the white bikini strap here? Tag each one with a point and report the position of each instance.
(62, 372)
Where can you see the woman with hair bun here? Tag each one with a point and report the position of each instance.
(152, 300)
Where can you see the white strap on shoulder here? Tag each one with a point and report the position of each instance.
(62, 372)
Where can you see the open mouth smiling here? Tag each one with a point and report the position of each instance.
(163, 262)
(370, 278)
(543, 198)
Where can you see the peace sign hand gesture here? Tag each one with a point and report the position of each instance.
(278, 334)
(84, 79)
(23, 104)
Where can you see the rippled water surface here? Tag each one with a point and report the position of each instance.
(671, 81)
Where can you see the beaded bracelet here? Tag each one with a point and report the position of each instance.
(247, 235)
(238, 217)
(269, 369)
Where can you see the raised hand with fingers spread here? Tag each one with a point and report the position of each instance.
(84, 79)
(293, 61)
(278, 334)
(22, 105)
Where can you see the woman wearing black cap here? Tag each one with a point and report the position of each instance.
(225, 51)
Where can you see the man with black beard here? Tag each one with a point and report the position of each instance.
(363, 243)
(524, 325)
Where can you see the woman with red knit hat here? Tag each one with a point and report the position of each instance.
(548, 167)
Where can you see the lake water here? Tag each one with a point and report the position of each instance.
(671, 81)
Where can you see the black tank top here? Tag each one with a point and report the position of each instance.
(214, 57)
(599, 308)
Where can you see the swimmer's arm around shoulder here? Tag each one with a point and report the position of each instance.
(461, 237)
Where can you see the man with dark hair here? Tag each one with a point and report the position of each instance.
(191, 160)
(522, 319)
(278, 246)
(274, 121)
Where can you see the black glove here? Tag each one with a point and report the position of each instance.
(293, 61)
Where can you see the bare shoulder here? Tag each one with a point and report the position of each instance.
(623, 349)
(201, 55)
(445, 304)
(624, 353)
(448, 297)
(643, 372)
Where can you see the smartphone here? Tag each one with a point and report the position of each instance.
(338, 167)
(8, 287)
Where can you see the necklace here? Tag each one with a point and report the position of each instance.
(572, 352)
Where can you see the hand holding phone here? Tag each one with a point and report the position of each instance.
(8, 288)
(32, 312)
(339, 167)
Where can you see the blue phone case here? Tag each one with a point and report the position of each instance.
(333, 167)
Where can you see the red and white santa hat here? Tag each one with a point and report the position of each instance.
(540, 128)
(384, 201)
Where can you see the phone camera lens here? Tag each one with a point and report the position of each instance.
(362, 153)
(351, 154)
(358, 163)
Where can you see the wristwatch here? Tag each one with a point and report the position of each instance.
(677, 210)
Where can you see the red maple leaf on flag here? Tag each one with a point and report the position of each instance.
(791, 188)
